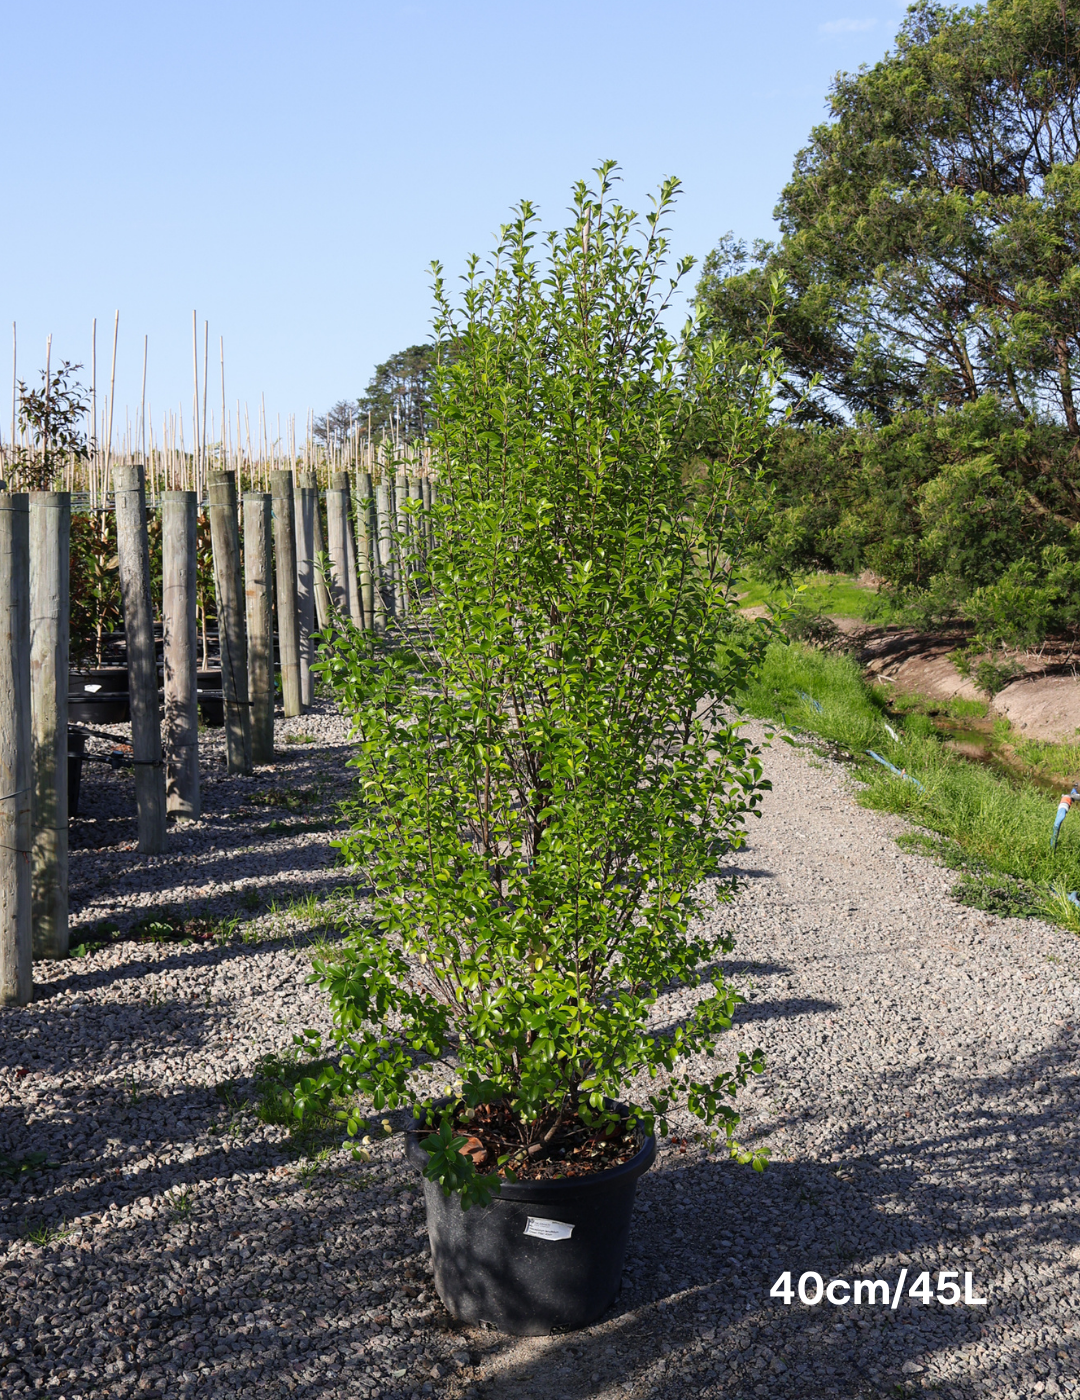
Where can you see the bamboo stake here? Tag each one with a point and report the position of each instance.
(14, 385)
(142, 403)
(205, 384)
(112, 395)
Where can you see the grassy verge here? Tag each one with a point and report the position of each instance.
(993, 828)
(838, 594)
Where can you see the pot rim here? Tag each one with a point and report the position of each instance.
(562, 1188)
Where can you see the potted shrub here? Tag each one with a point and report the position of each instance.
(549, 774)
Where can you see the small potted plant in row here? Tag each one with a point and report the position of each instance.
(549, 774)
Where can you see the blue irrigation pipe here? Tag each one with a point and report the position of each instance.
(900, 772)
(1062, 812)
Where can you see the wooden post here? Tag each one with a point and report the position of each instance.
(365, 546)
(417, 539)
(179, 510)
(50, 550)
(133, 553)
(304, 509)
(260, 623)
(340, 482)
(337, 528)
(310, 482)
(16, 956)
(384, 567)
(426, 489)
(288, 613)
(232, 630)
(401, 544)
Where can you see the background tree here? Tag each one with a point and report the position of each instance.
(931, 228)
(397, 401)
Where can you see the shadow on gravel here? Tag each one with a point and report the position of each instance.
(183, 960)
(710, 1240)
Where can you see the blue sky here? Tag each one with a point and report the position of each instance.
(289, 171)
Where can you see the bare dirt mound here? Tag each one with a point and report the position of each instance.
(915, 663)
(1043, 706)
(1043, 702)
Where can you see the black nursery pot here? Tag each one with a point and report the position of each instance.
(543, 1254)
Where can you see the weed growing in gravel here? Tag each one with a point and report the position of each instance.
(100, 936)
(295, 799)
(995, 828)
(299, 738)
(13, 1168)
(41, 1232)
(180, 1204)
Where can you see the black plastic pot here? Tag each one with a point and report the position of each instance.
(76, 749)
(212, 708)
(98, 697)
(108, 679)
(543, 1254)
(110, 707)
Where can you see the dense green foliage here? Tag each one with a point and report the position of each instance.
(931, 227)
(964, 515)
(52, 420)
(548, 781)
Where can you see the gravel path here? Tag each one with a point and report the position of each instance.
(920, 1106)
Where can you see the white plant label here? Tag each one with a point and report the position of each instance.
(548, 1229)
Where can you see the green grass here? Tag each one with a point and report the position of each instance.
(998, 827)
(838, 594)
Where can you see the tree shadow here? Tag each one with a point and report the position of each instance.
(711, 1239)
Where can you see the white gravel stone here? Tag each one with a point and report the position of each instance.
(920, 1106)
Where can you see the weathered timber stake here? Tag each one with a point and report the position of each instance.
(232, 628)
(260, 623)
(417, 540)
(426, 487)
(288, 612)
(304, 502)
(133, 553)
(16, 956)
(365, 546)
(179, 510)
(310, 482)
(340, 482)
(402, 562)
(384, 566)
(50, 549)
(337, 527)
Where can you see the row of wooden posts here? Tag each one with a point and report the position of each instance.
(375, 543)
